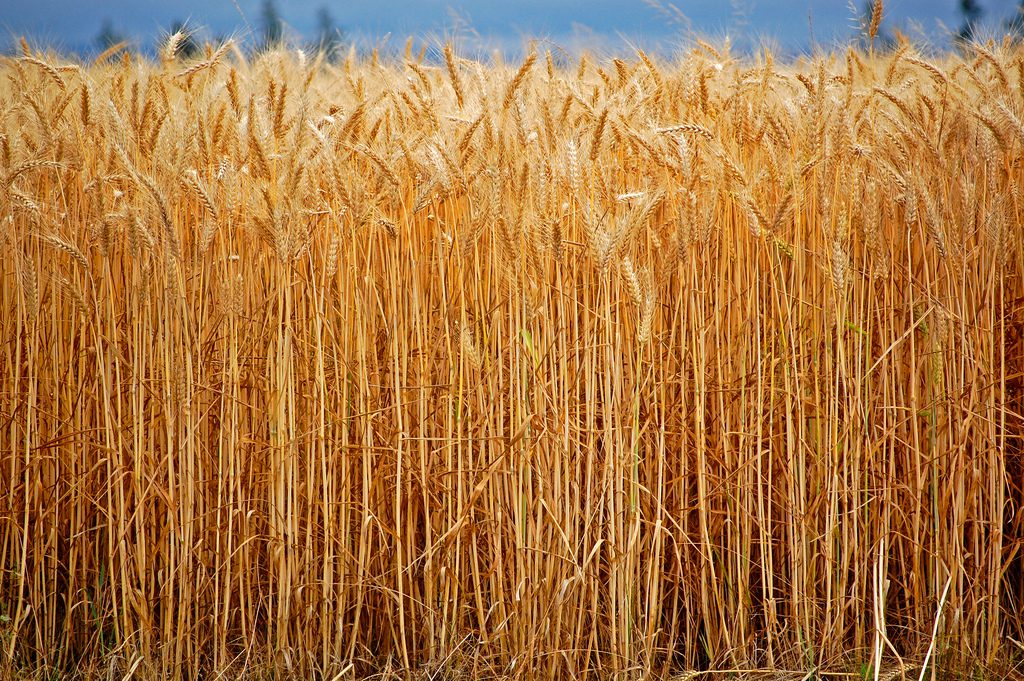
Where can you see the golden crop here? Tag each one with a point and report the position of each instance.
(540, 371)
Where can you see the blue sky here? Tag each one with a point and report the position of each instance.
(74, 24)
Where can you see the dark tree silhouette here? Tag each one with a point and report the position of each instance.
(108, 35)
(273, 24)
(328, 34)
(971, 12)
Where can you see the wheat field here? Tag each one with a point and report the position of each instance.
(424, 366)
